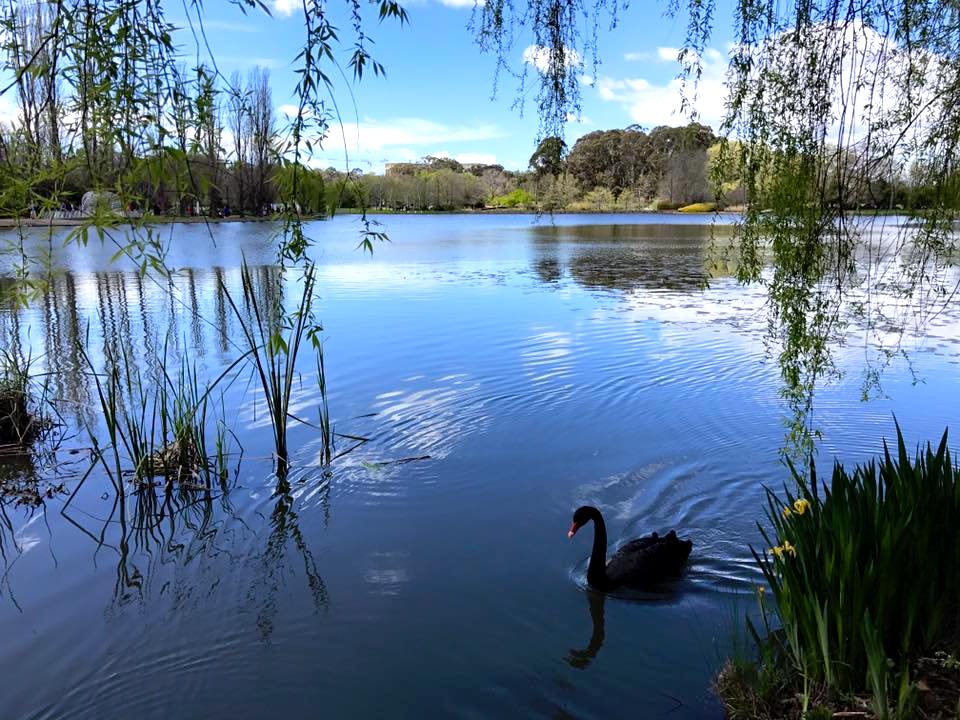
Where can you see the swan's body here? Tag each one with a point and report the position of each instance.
(640, 563)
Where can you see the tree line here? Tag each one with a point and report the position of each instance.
(625, 169)
(209, 144)
(630, 169)
(201, 142)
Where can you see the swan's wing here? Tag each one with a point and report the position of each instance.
(638, 545)
(648, 560)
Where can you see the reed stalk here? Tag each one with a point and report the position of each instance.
(274, 340)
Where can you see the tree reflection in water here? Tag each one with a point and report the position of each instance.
(627, 257)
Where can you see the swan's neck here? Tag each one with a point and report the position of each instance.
(597, 569)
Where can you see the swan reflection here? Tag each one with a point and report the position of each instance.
(581, 659)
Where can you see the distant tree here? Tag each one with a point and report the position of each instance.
(614, 159)
(208, 133)
(238, 122)
(262, 131)
(479, 169)
(556, 192)
(600, 198)
(302, 185)
(35, 69)
(725, 172)
(495, 182)
(433, 164)
(549, 157)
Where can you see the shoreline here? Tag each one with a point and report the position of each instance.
(153, 220)
(188, 220)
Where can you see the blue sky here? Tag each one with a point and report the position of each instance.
(436, 98)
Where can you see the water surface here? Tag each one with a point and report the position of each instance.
(507, 371)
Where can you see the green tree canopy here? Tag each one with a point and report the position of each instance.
(548, 158)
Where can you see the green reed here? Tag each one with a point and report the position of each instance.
(159, 428)
(22, 400)
(865, 574)
(183, 411)
(274, 339)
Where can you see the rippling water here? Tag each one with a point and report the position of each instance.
(507, 372)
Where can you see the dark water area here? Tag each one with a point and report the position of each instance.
(506, 371)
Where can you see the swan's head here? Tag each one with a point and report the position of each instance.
(580, 518)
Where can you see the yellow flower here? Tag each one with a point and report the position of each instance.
(761, 590)
(788, 548)
(800, 505)
(787, 512)
(778, 551)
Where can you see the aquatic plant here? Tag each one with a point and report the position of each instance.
(23, 406)
(158, 428)
(30, 432)
(274, 340)
(184, 410)
(864, 574)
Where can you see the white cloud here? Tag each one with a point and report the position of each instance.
(370, 143)
(650, 103)
(407, 131)
(285, 7)
(667, 54)
(867, 84)
(575, 119)
(540, 57)
(290, 110)
(877, 62)
(867, 75)
(637, 56)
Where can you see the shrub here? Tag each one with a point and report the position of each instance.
(701, 207)
(661, 204)
(866, 575)
(518, 197)
(22, 401)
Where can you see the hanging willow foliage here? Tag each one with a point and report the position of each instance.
(107, 102)
(830, 105)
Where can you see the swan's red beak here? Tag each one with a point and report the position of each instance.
(573, 530)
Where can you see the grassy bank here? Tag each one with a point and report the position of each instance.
(862, 615)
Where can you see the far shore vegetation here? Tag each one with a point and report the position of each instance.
(685, 169)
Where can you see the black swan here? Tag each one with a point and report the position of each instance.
(639, 563)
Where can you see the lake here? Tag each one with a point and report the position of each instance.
(506, 371)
